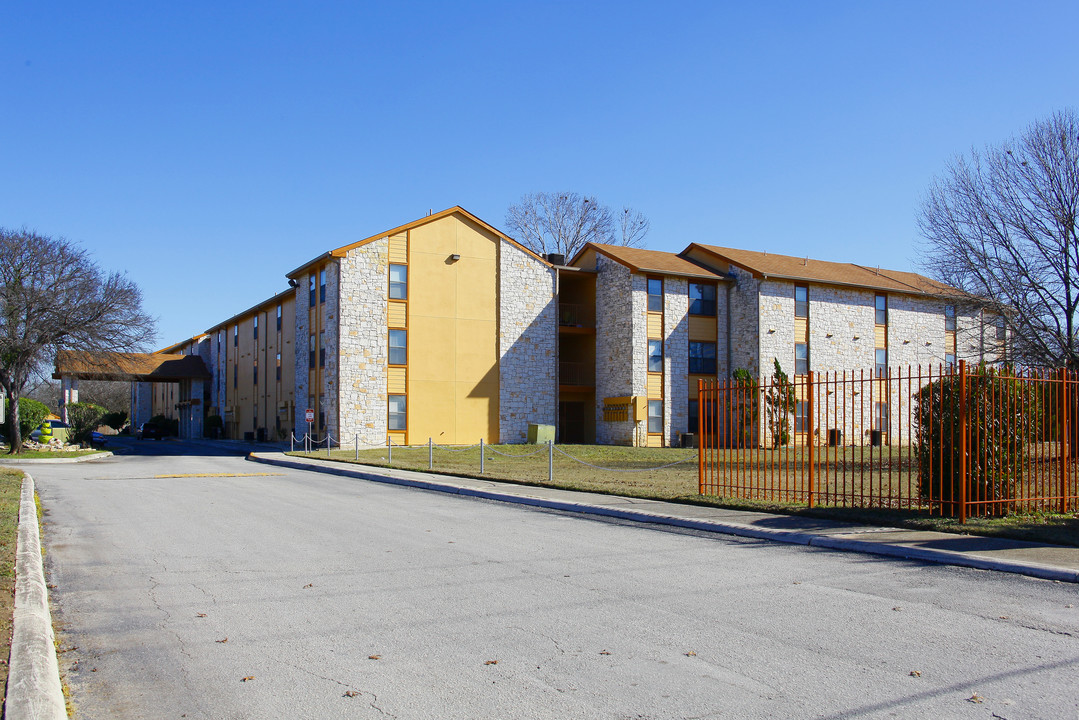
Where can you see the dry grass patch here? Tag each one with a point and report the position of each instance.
(10, 493)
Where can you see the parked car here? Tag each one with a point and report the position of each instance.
(50, 429)
(97, 438)
(147, 431)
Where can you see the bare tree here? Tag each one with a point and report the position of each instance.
(53, 297)
(564, 222)
(1001, 225)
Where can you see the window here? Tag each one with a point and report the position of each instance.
(322, 348)
(702, 299)
(311, 351)
(694, 416)
(801, 358)
(881, 368)
(1001, 328)
(255, 367)
(655, 356)
(949, 360)
(801, 301)
(278, 318)
(702, 357)
(398, 282)
(880, 417)
(881, 317)
(322, 286)
(235, 376)
(398, 412)
(655, 295)
(801, 417)
(311, 291)
(256, 327)
(278, 367)
(235, 335)
(949, 318)
(655, 416)
(398, 347)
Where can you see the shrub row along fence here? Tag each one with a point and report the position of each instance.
(948, 441)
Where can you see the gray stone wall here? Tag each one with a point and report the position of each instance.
(362, 342)
(836, 317)
(528, 343)
(675, 358)
(745, 322)
(301, 347)
(776, 339)
(621, 345)
(330, 373)
(916, 332)
(722, 331)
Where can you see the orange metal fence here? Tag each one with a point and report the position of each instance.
(948, 441)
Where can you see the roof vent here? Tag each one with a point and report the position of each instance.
(556, 258)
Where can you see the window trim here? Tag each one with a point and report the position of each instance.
(649, 294)
(391, 347)
(804, 303)
(650, 417)
(391, 282)
(708, 370)
(949, 318)
(390, 414)
(715, 294)
(797, 359)
(880, 369)
(652, 357)
(878, 310)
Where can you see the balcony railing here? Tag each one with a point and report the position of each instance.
(575, 315)
(575, 373)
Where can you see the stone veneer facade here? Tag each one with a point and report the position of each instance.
(675, 358)
(300, 345)
(329, 375)
(621, 346)
(362, 343)
(745, 321)
(528, 343)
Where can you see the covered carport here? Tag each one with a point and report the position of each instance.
(189, 372)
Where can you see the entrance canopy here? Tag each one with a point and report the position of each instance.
(134, 367)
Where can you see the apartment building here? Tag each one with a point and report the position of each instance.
(447, 329)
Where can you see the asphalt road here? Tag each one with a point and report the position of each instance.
(301, 595)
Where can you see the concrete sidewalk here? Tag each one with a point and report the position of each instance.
(1050, 562)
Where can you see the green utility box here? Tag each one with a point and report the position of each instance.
(540, 434)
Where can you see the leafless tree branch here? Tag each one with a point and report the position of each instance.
(564, 222)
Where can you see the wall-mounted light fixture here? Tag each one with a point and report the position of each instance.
(455, 257)
(292, 283)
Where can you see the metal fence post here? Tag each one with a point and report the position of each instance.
(481, 456)
(356, 442)
(389, 449)
(328, 441)
(550, 461)
(700, 435)
(809, 438)
(430, 454)
(962, 442)
(1065, 441)
(291, 441)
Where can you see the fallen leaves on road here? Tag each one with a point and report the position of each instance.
(350, 693)
(897, 609)
(491, 662)
(247, 678)
(1003, 617)
(604, 652)
(915, 673)
(308, 585)
(222, 640)
(374, 657)
(200, 614)
(691, 654)
(975, 698)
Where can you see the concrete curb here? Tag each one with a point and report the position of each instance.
(932, 555)
(33, 686)
(57, 461)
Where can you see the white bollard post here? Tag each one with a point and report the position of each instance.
(430, 453)
(356, 440)
(550, 461)
(481, 456)
(389, 449)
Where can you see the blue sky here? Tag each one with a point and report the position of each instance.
(208, 148)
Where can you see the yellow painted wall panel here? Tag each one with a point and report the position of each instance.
(655, 385)
(432, 411)
(431, 355)
(880, 336)
(655, 325)
(398, 248)
(702, 328)
(474, 241)
(435, 238)
(397, 314)
(692, 384)
(801, 329)
(398, 438)
(655, 441)
(396, 381)
(477, 294)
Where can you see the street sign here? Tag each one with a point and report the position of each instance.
(309, 416)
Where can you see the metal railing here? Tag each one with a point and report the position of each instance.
(948, 441)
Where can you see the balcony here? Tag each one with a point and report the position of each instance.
(576, 317)
(576, 374)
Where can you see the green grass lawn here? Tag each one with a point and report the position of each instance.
(10, 491)
(679, 483)
(43, 454)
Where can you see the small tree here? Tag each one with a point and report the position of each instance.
(84, 419)
(779, 406)
(115, 420)
(31, 413)
(743, 410)
(1002, 415)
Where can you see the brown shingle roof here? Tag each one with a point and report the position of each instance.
(765, 264)
(130, 366)
(655, 261)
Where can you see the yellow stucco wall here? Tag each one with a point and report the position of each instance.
(452, 333)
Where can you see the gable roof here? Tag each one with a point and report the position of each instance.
(455, 210)
(652, 261)
(786, 267)
(129, 366)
